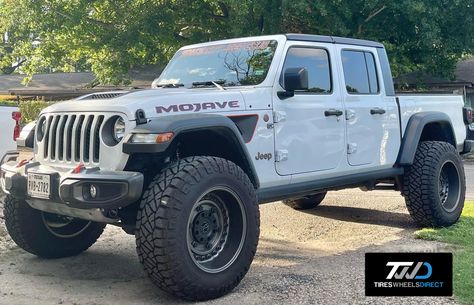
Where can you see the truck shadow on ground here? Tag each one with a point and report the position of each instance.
(363, 215)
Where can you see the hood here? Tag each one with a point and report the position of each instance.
(158, 102)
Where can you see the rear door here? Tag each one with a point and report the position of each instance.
(309, 133)
(366, 112)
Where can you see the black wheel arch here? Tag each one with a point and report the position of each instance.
(193, 134)
(425, 126)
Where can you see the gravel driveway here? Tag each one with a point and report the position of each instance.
(314, 257)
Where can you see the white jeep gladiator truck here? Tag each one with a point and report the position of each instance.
(228, 125)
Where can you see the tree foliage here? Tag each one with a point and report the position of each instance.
(111, 36)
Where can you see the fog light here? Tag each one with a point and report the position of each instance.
(93, 191)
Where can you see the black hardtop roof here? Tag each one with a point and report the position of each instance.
(334, 39)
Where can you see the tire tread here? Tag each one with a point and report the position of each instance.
(419, 180)
(160, 204)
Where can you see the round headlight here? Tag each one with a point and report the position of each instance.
(119, 129)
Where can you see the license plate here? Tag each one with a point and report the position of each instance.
(39, 185)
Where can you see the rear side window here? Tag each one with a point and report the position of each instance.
(316, 62)
(360, 72)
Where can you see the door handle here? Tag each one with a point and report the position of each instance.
(377, 111)
(333, 112)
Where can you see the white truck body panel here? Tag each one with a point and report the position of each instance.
(8, 124)
(449, 104)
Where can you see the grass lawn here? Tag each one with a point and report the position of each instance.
(461, 234)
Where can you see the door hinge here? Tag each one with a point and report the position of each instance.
(351, 148)
(281, 155)
(278, 116)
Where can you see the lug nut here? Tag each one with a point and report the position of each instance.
(113, 213)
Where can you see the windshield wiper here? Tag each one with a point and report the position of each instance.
(216, 83)
(174, 85)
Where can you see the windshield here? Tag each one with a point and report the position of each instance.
(233, 64)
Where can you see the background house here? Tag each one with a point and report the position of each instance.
(54, 86)
(462, 84)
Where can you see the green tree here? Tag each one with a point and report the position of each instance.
(426, 35)
(111, 36)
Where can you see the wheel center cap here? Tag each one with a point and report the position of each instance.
(205, 227)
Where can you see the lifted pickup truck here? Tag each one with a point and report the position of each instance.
(228, 125)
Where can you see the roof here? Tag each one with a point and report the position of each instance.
(334, 39)
(72, 84)
(465, 70)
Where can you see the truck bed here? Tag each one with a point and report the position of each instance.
(450, 104)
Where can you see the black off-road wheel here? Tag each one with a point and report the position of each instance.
(198, 228)
(305, 203)
(434, 186)
(48, 235)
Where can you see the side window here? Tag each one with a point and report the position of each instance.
(360, 73)
(316, 62)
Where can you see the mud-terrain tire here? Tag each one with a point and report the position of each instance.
(434, 186)
(198, 228)
(305, 203)
(48, 235)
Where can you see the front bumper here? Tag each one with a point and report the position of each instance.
(114, 189)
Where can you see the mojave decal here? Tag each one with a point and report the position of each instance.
(196, 107)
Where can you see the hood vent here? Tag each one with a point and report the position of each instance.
(102, 95)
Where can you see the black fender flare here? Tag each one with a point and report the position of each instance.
(414, 130)
(182, 123)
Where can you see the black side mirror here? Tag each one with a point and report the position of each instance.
(294, 79)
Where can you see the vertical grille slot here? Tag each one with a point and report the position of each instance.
(52, 142)
(46, 136)
(87, 138)
(96, 139)
(77, 138)
(60, 138)
(68, 140)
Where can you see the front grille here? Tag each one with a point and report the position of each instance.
(72, 138)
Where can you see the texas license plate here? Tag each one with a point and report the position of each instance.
(39, 185)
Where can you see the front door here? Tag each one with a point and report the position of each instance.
(310, 127)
